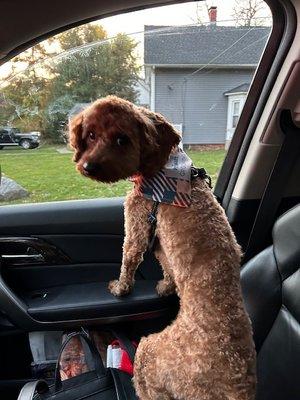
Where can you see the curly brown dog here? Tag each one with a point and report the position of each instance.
(207, 353)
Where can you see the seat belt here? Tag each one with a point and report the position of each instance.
(273, 194)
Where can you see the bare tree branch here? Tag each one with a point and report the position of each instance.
(246, 12)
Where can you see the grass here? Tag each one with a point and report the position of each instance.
(51, 176)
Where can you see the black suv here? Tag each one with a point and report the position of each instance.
(13, 137)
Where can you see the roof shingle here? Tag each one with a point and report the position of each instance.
(201, 45)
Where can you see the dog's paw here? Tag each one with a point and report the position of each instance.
(118, 289)
(164, 288)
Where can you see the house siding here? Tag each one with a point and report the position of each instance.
(197, 101)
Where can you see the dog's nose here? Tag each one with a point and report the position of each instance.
(90, 167)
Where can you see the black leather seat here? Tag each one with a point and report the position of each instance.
(271, 288)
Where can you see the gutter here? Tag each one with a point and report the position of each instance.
(204, 66)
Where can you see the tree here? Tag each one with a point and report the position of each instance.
(97, 67)
(82, 35)
(92, 66)
(81, 66)
(246, 12)
(24, 91)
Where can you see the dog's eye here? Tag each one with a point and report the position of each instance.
(92, 136)
(122, 140)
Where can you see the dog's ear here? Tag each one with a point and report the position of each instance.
(158, 139)
(75, 136)
(167, 135)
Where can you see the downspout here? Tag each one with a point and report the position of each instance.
(152, 89)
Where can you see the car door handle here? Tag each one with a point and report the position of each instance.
(18, 259)
(17, 251)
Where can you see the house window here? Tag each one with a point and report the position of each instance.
(235, 113)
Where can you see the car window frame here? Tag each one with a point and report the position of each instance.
(282, 34)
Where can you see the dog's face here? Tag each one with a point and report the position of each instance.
(113, 140)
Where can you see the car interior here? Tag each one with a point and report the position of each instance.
(56, 258)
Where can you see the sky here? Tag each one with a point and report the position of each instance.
(177, 14)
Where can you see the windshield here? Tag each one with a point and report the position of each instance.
(15, 130)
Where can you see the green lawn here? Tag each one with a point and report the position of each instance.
(49, 175)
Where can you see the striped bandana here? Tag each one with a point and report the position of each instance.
(172, 184)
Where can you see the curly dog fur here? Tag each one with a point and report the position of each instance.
(207, 353)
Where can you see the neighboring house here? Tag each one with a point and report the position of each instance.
(199, 76)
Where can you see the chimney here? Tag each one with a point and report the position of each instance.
(212, 13)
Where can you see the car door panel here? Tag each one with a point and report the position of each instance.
(96, 302)
(67, 217)
(72, 250)
(88, 248)
(32, 278)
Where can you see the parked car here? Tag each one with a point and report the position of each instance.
(14, 137)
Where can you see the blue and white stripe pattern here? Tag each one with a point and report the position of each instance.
(172, 184)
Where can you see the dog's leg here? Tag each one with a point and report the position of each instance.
(132, 257)
(165, 286)
(137, 230)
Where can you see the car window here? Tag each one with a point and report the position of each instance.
(191, 62)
